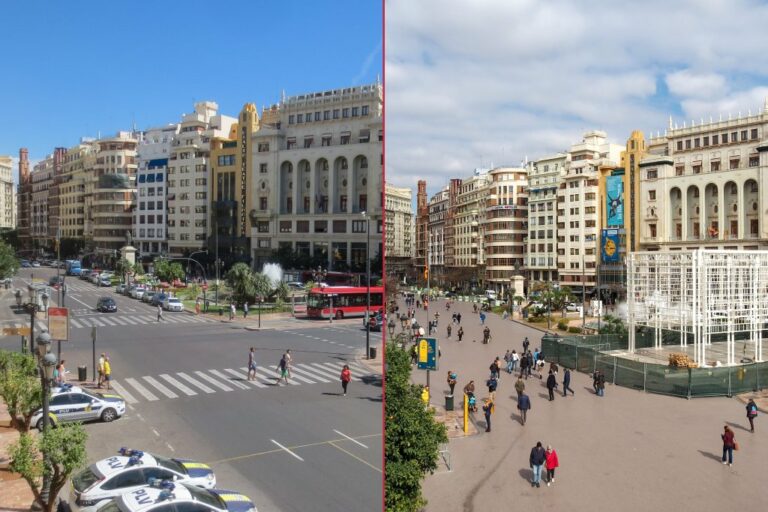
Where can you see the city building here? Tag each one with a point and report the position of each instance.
(75, 177)
(438, 207)
(42, 180)
(316, 181)
(543, 182)
(422, 225)
(189, 172)
(399, 229)
(152, 184)
(504, 227)
(701, 186)
(464, 230)
(24, 202)
(7, 194)
(578, 212)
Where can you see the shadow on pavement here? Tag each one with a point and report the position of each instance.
(332, 394)
(370, 398)
(526, 474)
(710, 455)
(737, 425)
(371, 380)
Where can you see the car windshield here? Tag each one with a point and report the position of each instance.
(85, 478)
(170, 464)
(206, 497)
(173, 301)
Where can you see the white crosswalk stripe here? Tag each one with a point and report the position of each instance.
(75, 323)
(184, 389)
(196, 383)
(108, 321)
(213, 381)
(164, 386)
(228, 379)
(89, 321)
(164, 390)
(240, 374)
(141, 389)
(96, 322)
(123, 393)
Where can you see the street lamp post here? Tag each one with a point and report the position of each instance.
(47, 363)
(259, 298)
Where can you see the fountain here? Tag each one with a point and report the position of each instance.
(274, 273)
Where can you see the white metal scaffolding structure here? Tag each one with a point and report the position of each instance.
(704, 295)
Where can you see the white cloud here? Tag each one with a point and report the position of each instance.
(468, 84)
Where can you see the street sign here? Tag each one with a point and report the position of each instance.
(427, 354)
(15, 331)
(58, 323)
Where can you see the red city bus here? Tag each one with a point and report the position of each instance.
(343, 301)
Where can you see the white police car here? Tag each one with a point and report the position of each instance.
(165, 496)
(71, 403)
(131, 470)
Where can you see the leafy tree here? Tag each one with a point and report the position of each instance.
(168, 271)
(612, 325)
(138, 269)
(19, 387)
(11, 237)
(123, 267)
(412, 436)
(9, 264)
(62, 447)
(281, 291)
(240, 279)
(262, 286)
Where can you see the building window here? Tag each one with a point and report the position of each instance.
(706, 141)
(753, 134)
(198, 195)
(652, 174)
(363, 202)
(743, 135)
(289, 205)
(697, 169)
(263, 226)
(651, 195)
(358, 226)
(679, 145)
(291, 143)
(652, 229)
(263, 147)
(291, 119)
(326, 140)
(321, 226)
(326, 115)
(345, 113)
(754, 161)
(302, 226)
(339, 226)
(714, 166)
(355, 111)
(308, 142)
(734, 163)
(679, 170)
(345, 139)
(365, 111)
(306, 204)
(725, 138)
(688, 144)
(285, 226)
(317, 116)
(299, 118)
(225, 160)
(335, 113)
(263, 203)
(201, 182)
(715, 140)
(263, 168)
(696, 142)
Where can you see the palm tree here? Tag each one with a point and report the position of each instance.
(240, 279)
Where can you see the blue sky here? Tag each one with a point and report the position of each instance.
(510, 79)
(75, 69)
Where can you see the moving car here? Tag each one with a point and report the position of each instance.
(71, 403)
(132, 470)
(173, 304)
(106, 305)
(162, 495)
(105, 279)
(55, 281)
(158, 299)
(85, 273)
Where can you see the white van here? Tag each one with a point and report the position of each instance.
(491, 294)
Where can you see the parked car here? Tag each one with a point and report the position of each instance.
(35, 264)
(572, 306)
(71, 403)
(158, 298)
(138, 292)
(106, 305)
(173, 304)
(95, 278)
(55, 281)
(147, 297)
(25, 264)
(121, 289)
(85, 274)
(105, 280)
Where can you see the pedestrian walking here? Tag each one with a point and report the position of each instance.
(551, 383)
(346, 376)
(252, 364)
(551, 464)
(600, 384)
(448, 329)
(507, 359)
(282, 366)
(515, 360)
(231, 311)
(492, 384)
(486, 335)
(523, 405)
(494, 368)
(458, 318)
(536, 460)
(197, 306)
(159, 312)
(437, 317)
(529, 365)
(451, 380)
(526, 344)
(751, 414)
(460, 333)
(595, 376)
(289, 360)
(567, 382)
(107, 372)
(245, 310)
(488, 410)
(102, 358)
(498, 368)
(482, 318)
(524, 366)
(519, 387)
(729, 444)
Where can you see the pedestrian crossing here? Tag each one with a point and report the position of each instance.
(111, 320)
(168, 386)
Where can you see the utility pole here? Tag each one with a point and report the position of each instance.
(368, 287)
(583, 293)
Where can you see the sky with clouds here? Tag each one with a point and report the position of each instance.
(491, 82)
(80, 69)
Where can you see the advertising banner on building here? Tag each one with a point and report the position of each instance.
(609, 246)
(614, 192)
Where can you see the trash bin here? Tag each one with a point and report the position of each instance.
(372, 352)
(448, 402)
(82, 373)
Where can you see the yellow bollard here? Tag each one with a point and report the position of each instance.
(466, 413)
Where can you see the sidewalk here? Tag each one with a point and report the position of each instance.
(15, 494)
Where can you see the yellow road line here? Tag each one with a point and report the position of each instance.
(267, 452)
(355, 456)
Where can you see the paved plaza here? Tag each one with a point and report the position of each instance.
(632, 449)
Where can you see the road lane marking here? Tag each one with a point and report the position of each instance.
(287, 450)
(274, 372)
(350, 438)
(327, 371)
(108, 321)
(228, 379)
(355, 456)
(164, 390)
(96, 322)
(195, 383)
(156, 432)
(124, 393)
(337, 367)
(298, 369)
(296, 447)
(184, 389)
(75, 323)
(240, 374)
(141, 389)
(213, 381)
(170, 447)
(268, 380)
(81, 302)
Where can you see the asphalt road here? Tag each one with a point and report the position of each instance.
(300, 446)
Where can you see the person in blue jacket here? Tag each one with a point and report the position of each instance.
(523, 405)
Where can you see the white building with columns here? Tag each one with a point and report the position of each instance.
(7, 194)
(704, 186)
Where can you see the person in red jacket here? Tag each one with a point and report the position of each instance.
(346, 376)
(729, 442)
(551, 463)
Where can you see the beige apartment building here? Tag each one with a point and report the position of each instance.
(399, 229)
(7, 194)
(543, 182)
(42, 180)
(468, 218)
(316, 177)
(703, 185)
(436, 249)
(504, 226)
(578, 210)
